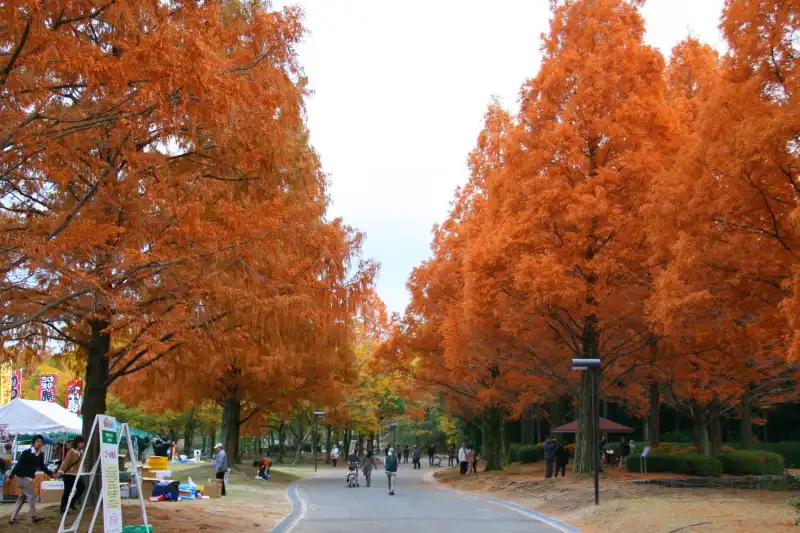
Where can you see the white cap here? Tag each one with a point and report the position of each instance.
(219, 445)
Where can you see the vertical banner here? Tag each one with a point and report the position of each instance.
(109, 447)
(5, 383)
(47, 388)
(74, 396)
(16, 385)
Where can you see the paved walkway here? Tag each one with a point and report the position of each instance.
(329, 506)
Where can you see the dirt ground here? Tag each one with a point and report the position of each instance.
(251, 506)
(628, 508)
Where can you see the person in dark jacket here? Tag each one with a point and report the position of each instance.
(431, 454)
(451, 455)
(406, 453)
(549, 456)
(390, 467)
(562, 458)
(367, 466)
(416, 453)
(30, 462)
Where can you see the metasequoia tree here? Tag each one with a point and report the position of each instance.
(152, 154)
(560, 256)
(722, 223)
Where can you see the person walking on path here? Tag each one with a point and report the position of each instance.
(30, 462)
(390, 467)
(367, 466)
(451, 455)
(335, 455)
(406, 453)
(431, 454)
(462, 458)
(549, 457)
(470, 459)
(624, 451)
(69, 471)
(416, 453)
(562, 458)
(220, 464)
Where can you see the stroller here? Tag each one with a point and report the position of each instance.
(352, 474)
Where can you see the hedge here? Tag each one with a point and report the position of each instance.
(513, 451)
(530, 453)
(684, 463)
(789, 450)
(751, 463)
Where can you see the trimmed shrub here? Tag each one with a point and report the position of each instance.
(751, 463)
(789, 450)
(530, 453)
(684, 463)
(513, 451)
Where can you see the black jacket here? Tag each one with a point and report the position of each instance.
(28, 464)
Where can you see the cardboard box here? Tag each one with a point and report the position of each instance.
(52, 495)
(161, 474)
(147, 487)
(213, 489)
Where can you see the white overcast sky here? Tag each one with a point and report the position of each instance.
(400, 89)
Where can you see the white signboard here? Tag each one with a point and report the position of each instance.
(646, 451)
(109, 446)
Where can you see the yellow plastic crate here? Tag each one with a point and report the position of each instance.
(158, 463)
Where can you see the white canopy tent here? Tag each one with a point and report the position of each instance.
(31, 417)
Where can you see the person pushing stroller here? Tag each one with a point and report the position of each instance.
(352, 470)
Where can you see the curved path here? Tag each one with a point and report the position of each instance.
(324, 504)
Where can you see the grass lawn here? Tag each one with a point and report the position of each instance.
(251, 505)
(626, 507)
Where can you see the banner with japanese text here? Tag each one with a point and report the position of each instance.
(16, 385)
(74, 396)
(47, 387)
(5, 383)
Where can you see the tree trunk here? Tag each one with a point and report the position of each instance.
(188, 435)
(538, 428)
(715, 428)
(371, 441)
(360, 445)
(508, 459)
(746, 411)
(94, 398)
(587, 444)
(700, 428)
(231, 416)
(328, 444)
(281, 441)
(493, 422)
(655, 415)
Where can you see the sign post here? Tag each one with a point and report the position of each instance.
(108, 433)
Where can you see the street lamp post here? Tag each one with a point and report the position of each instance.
(593, 366)
(317, 416)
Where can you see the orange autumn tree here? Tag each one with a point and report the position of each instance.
(437, 343)
(152, 154)
(723, 220)
(560, 257)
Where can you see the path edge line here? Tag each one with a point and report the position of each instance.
(552, 522)
(299, 506)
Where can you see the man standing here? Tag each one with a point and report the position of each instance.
(416, 453)
(30, 462)
(549, 456)
(451, 455)
(462, 458)
(431, 454)
(220, 464)
(406, 453)
(390, 467)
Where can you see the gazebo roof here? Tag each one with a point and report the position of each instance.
(606, 426)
